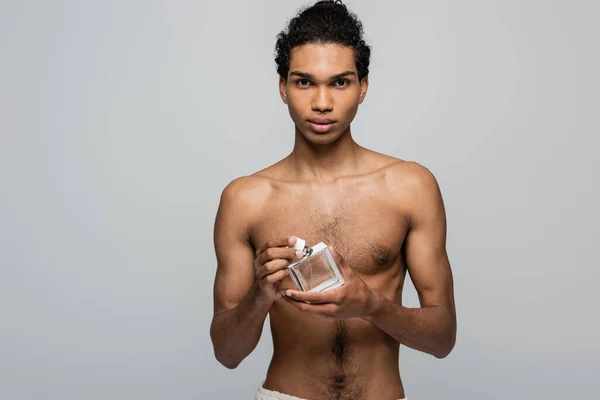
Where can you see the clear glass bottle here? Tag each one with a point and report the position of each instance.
(316, 271)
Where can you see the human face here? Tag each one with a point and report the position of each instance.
(322, 77)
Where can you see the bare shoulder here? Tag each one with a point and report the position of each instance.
(243, 198)
(246, 191)
(413, 180)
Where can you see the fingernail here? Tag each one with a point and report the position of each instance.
(288, 293)
(299, 254)
(292, 239)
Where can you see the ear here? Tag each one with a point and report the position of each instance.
(364, 85)
(283, 89)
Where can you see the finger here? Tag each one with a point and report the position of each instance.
(327, 310)
(313, 297)
(279, 242)
(276, 277)
(339, 260)
(336, 256)
(278, 252)
(271, 267)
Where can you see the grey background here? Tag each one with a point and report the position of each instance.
(122, 121)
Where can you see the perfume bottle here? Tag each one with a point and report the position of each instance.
(316, 271)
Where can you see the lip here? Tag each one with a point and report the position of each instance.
(321, 124)
(323, 121)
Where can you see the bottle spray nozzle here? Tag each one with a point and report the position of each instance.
(300, 245)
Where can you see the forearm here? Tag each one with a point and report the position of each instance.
(430, 329)
(235, 333)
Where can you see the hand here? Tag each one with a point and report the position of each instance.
(270, 265)
(352, 299)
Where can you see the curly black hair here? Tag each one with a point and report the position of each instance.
(324, 22)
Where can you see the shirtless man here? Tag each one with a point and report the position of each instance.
(382, 216)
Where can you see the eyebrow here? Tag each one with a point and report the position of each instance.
(331, 78)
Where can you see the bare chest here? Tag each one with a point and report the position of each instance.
(365, 227)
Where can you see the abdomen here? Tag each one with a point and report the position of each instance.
(319, 358)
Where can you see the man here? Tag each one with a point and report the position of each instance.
(382, 217)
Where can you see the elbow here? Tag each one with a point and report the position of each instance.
(225, 359)
(442, 353)
(447, 339)
(231, 365)
(445, 347)
(227, 363)
(221, 354)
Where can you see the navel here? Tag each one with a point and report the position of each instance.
(338, 382)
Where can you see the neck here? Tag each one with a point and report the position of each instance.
(325, 162)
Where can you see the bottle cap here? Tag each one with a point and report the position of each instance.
(300, 243)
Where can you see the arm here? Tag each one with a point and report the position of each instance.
(431, 328)
(239, 309)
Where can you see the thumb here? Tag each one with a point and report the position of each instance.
(339, 260)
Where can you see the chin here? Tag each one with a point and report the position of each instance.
(321, 138)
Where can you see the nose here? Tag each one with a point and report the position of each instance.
(322, 101)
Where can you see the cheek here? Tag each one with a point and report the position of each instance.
(349, 105)
(293, 110)
(295, 103)
(298, 98)
(348, 99)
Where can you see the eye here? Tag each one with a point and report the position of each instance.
(303, 82)
(341, 83)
